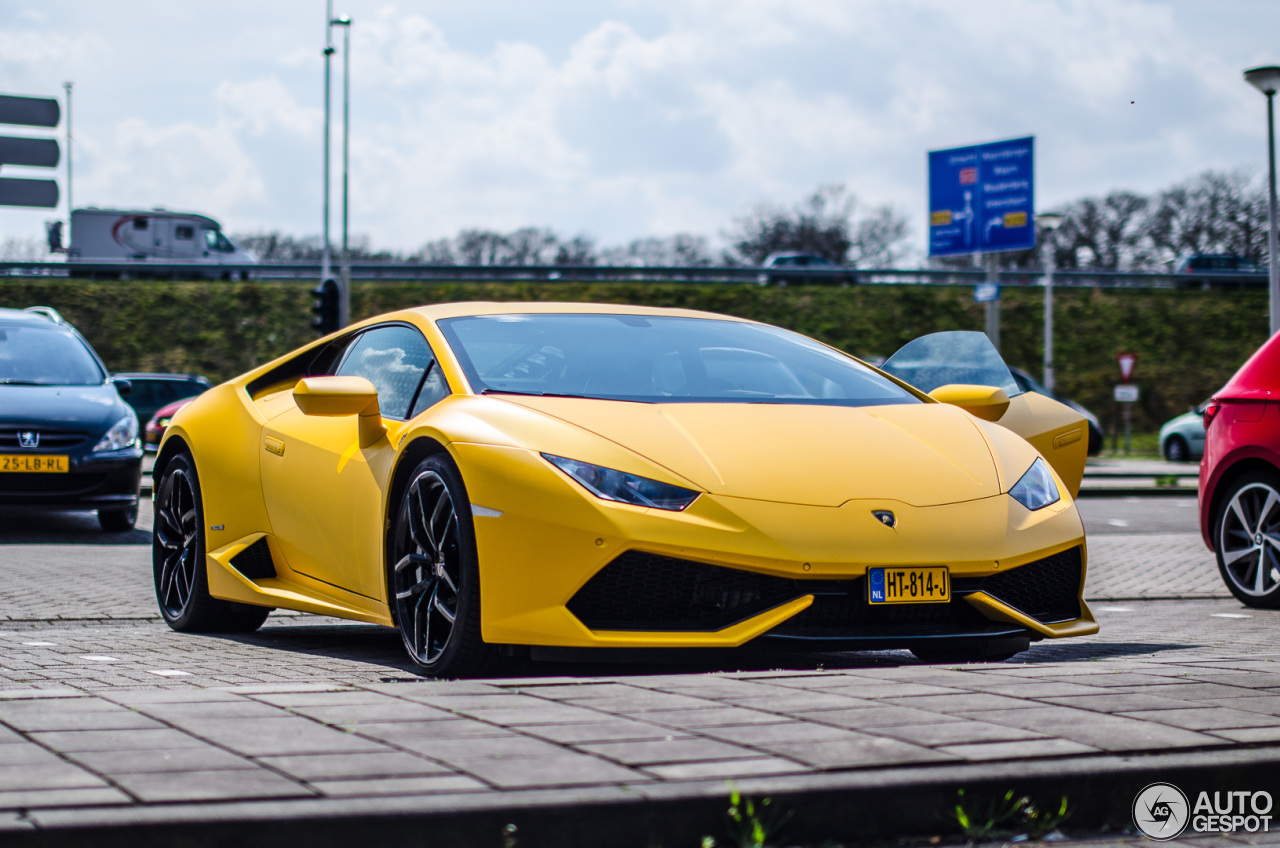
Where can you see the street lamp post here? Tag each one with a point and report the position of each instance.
(344, 303)
(1267, 80)
(1048, 221)
(325, 262)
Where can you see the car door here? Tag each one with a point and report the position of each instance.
(324, 492)
(1056, 430)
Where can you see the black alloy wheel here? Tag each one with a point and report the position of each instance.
(1246, 531)
(118, 520)
(1176, 450)
(434, 577)
(178, 560)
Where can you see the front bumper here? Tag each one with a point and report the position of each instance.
(552, 538)
(107, 480)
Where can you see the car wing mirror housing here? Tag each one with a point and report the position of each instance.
(123, 386)
(336, 397)
(986, 402)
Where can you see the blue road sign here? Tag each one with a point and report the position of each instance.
(981, 198)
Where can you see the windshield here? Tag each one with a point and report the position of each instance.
(941, 359)
(45, 357)
(659, 359)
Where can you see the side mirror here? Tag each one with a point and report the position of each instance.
(986, 402)
(123, 386)
(341, 396)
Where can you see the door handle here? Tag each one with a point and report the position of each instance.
(273, 445)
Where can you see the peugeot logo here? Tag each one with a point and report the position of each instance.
(885, 517)
(28, 439)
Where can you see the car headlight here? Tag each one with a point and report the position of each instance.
(1037, 488)
(624, 488)
(122, 434)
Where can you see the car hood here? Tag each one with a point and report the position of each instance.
(920, 454)
(91, 409)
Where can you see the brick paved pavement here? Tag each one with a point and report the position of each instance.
(108, 721)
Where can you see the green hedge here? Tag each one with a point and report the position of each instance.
(1190, 342)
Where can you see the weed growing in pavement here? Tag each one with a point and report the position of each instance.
(1007, 816)
(750, 825)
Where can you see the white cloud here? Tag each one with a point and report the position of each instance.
(637, 117)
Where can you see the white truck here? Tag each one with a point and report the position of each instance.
(156, 236)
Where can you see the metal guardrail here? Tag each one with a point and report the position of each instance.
(400, 271)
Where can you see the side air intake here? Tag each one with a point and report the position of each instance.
(255, 561)
(640, 591)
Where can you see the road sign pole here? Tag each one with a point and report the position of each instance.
(325, 262)
(1049, 377)
(70, 201)
(1127, 421)
(993, 306)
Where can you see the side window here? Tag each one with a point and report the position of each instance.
(394, 359)
(434, 389)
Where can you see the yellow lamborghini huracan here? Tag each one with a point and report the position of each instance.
(526, 479)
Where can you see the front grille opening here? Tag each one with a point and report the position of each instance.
(640, 591)
(62, 484)
(255, 561)
(840, 610)
(49, 440)
(648, 592)
(1048, 589)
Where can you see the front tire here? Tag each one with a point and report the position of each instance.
(434, 575)
(118, 520)
(1176, 450)
(178, 560)
(1246, 533)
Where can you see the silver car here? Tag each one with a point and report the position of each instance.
(1182, 438)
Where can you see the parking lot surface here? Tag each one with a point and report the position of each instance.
(107, 717)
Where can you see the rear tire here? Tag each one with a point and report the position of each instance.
(972, 650)
(433, 575)
(178, 560)
(118, 520)
(1176, 450)
(1246, 534)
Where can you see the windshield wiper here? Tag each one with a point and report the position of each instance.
(21, 383)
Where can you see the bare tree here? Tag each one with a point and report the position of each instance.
(1104, 232)
(825, 223)
(1216, 212)
(682, 250)
(878, 239)
(818, 224)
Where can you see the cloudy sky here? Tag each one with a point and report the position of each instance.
(627, 118)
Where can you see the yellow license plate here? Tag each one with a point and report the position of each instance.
(928, 585)
(34, 464)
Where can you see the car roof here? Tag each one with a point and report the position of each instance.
(34, 319)
(436, 312)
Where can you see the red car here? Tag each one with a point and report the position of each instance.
(1240, 479)
(160, 422)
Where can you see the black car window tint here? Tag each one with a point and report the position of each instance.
(42, 356)
(659, 359)
(434, 389)
(394, 359)
(142, 393)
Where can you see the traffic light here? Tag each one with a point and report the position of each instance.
(326, 307)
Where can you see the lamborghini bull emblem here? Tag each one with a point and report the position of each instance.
(885, 517)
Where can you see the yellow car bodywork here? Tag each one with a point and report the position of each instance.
(782, 493)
